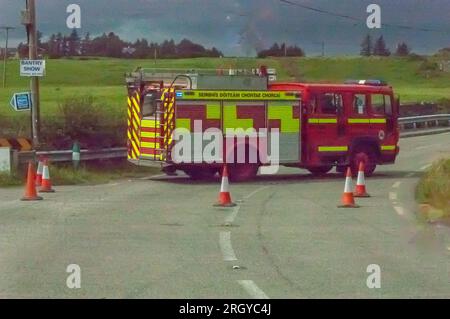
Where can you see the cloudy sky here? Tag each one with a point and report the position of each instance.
(238, 27)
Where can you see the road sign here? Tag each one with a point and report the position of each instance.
(32, 67)
(21, 101)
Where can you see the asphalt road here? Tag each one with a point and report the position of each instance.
(162, 238)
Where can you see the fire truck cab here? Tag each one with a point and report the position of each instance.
(321, 126)
(344, 124)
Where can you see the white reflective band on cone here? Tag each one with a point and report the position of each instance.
(46, 173)
(361, 179)
(348, 185)
(224, 187)
(40, 168)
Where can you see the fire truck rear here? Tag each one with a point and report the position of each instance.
(311, 126)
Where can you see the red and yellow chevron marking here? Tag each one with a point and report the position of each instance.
(5, 143)
(20, 143)
(134, 126)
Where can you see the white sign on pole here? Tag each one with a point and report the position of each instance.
(5, 159)
(32, 67)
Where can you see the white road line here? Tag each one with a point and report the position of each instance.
(392, 196)
(252, 289)
(255, 192)
(226, 247)
(424, 147)
(396, 185)
(232, 216)
(400, 210)
(423, 168)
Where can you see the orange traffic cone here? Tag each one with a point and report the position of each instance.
(46, 182)
(39, 173)
(360, 190)
(224, 196)
(348, 201)
(30, 189)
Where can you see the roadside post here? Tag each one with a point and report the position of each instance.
(76, 155)
(33, 68)
(5, 160)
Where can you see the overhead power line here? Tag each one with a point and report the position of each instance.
(352, 18)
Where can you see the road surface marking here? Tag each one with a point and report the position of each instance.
(225, 246)
(424, 147)
(392, 196)
(252, 289)
(255, 192)
(396, 185)
(232, 216)
(400, 210)
(423, 168)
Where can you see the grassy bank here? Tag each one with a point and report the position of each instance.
(434, 187)
(89, 173)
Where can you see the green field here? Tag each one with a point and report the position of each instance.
(104, 78)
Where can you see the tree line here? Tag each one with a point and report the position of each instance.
(111, 45)
(282, 50)
(379, 47)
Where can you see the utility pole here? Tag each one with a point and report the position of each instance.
(323, 48)
(29, 20)
(5, 57)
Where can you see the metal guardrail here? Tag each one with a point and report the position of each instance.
(66, 156)
(436, 119)
(121, 152)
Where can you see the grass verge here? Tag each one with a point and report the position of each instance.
(90, 173)
(434, 188)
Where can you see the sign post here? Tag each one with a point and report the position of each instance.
(34, 69)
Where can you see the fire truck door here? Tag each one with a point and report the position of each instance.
(323, 127)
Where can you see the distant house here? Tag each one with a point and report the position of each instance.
(444, 66)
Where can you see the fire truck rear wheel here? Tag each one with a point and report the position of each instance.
(368, 156)
(244, 172)
(320, 170)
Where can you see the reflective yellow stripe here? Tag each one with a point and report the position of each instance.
(150, 145)
(388, 148)
(150, 123)
(213, 111)
(322, 121)
(183, 123)
(333, 148)
(149, 134)
(367, 121)
(378, 121)
(236, 95)
(284, 113)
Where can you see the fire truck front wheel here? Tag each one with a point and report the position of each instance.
(320, 170)
(363, 154)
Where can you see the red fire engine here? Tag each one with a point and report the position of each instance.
(320, 126)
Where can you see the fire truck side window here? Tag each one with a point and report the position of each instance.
(359, 104)
(331, 103)
(381, 104)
